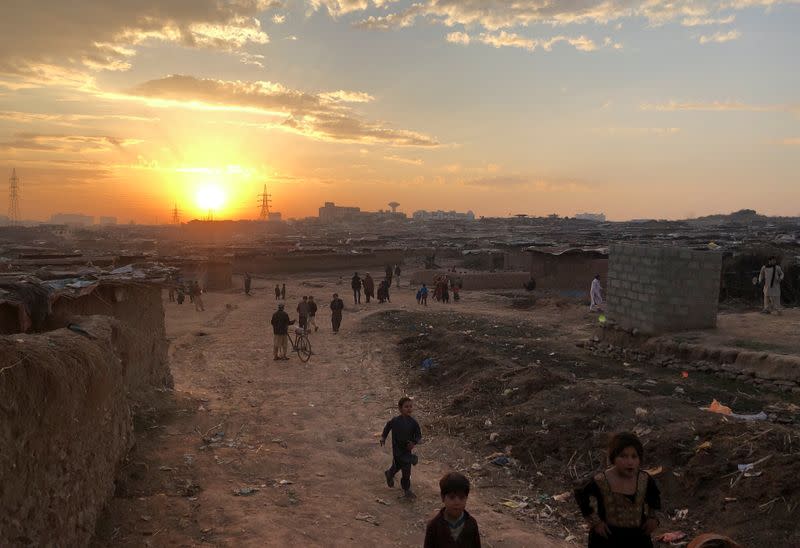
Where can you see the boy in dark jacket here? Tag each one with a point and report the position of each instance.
(405, 436)
(453, 527)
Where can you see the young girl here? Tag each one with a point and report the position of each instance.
(626, 499)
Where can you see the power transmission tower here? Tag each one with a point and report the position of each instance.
(176, 215)
(210, 215)
(13, 197)
(266, 200)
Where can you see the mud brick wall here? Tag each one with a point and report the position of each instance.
(65, 426)
(661, 289)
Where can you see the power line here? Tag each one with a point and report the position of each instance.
(13, 195)
(266, 200)
(176, 215)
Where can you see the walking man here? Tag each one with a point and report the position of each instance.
(355, 283)
(198, 297)
(312, 313)
(369, 287)
(397, 274)
(247, 281)
(596, 295)
(280, 332)
(302, 312)
(277, 292)
(283, 292)
(771, 276)
(337, 305)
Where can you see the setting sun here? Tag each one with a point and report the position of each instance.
(210, 197)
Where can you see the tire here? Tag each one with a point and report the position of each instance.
(303, 348)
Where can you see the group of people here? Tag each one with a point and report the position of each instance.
(307, 318)
(179, 290)
(367, 285)
(621, 504)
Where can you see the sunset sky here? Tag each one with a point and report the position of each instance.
(634, 108)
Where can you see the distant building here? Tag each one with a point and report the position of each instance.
(72, 219)
(331, 212)
(276, 216)
(599, 217)
(107, 221)
(440, 215)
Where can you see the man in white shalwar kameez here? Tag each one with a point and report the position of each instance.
(771, 276)
(596, 295)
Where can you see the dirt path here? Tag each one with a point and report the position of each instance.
(303, 435)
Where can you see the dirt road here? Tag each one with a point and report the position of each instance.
(253, 452)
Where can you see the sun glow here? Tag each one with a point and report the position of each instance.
(210, 197)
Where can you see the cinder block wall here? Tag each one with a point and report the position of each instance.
(661, 289)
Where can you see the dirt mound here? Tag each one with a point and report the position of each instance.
(550, 414)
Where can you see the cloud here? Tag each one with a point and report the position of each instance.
(505, 39)
(720, 37)
(636, 131)
(458, 38)
(402, 160)
(252, 59)
(65, 143)
(52, 41)
(792, 141)
(66, 119)
(706, 21)
(526, 182)
(716, 106)
(343, 96)
(319, 116)
(495, 15)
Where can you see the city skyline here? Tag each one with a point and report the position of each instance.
(635, 109)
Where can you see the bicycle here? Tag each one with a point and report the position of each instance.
(300, 344)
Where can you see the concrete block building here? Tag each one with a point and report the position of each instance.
(662, 289)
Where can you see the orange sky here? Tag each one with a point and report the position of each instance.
(635, 109)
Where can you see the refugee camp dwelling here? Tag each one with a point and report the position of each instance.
(568, 270)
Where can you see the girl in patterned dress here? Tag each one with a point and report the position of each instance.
(620, 504)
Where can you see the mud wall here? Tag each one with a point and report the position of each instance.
(287, 264)
(567, 272)
(662, 289)
(477, 281)
(65, 426)
(140, 309)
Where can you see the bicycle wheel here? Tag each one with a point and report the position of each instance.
(303, 348)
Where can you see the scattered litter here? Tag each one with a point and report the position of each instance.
(641, 412)
(673, 536)
(381, 501)
(685, 374)
(487, 422)
(285, 482)
(563, 497)
(717, 407)
(494, 436)
(626, 364)
(679, 390)
(428, 364)
(514, 504)
(760, 416)
(680, 514)
(730, 499)
(501, 461)
(570, 538)
(245, 491)
(166, 469)
(705, 446)
(368, 518)
(655, 471)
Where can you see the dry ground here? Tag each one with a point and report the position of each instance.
(303, 435)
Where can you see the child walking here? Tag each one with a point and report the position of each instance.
(405, 436)
(626, 498)
(453, 527)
